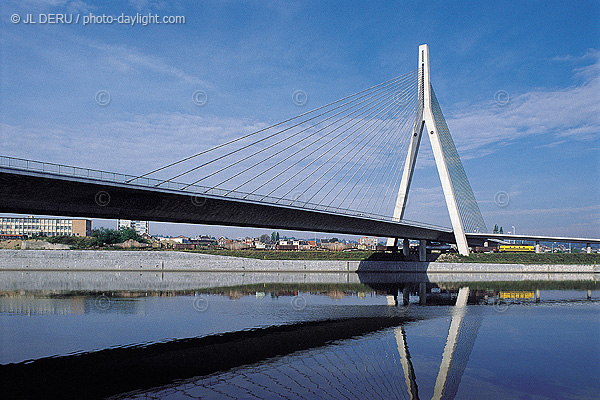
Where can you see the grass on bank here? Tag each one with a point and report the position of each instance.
(525, 258)
(361, 255)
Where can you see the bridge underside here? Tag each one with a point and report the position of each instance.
(47, 194)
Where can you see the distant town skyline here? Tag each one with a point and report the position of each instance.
(519, 85)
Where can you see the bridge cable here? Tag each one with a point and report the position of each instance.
(278, 142)
(269, 127)
(320, 156)
(406, 109)
(305, 167)
(418, 120)
(302, 149)
(406, 139)
(264, 129)
(353, 156)
(385, 144)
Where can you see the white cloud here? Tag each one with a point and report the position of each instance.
(126, 58)
(587, 211)
(133, 144)
(70, 6)
(550, 114)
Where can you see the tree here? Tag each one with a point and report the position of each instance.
(264, 238)
(128, 233)
(273, 237)
(334, 240)
(495, 229)
(277, 237)
(105, 235)
(112, 236)
(501, 231)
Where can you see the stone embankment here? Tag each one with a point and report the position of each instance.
(91, 260)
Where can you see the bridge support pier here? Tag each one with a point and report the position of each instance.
(589, 294)
(405, 247)
(537, 295)
(537, 246)
(422, 293)
(588, 248)
(422, 250)
(405, 295)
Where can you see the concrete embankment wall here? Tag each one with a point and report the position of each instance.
(169, 261)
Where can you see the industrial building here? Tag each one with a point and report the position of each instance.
(30, 226)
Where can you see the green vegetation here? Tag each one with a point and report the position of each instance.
(360, 255)
(523, 285)
(524, 258)
(291, 255)
(101, 237)
(496, 230)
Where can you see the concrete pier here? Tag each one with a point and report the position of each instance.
(422, 293)
(405, 295)
(406, 247)
(422, 250)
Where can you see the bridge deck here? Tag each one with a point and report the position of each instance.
(33, 192)
(31, 187)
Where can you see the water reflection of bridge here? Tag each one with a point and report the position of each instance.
(310, 357)
(366, 354)
(459, 344)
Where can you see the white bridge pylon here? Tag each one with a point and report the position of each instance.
(464, 212)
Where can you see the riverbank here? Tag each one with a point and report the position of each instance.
(172, 261)
(365, 255)
(326, 255)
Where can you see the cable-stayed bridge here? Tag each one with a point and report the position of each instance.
(345, 167)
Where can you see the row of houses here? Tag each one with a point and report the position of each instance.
(182, 242)
(23, 227)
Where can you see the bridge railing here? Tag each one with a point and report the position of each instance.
(195, 190)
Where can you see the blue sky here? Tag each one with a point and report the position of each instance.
(541, 148)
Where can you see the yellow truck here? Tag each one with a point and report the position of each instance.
(505, 248)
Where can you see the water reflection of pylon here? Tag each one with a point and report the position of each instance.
(461, 338)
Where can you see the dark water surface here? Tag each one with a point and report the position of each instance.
(318, 339)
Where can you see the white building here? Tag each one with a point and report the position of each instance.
(367, 241)
(31, 225)
(140, 227)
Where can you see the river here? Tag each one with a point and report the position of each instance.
(299, 335)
